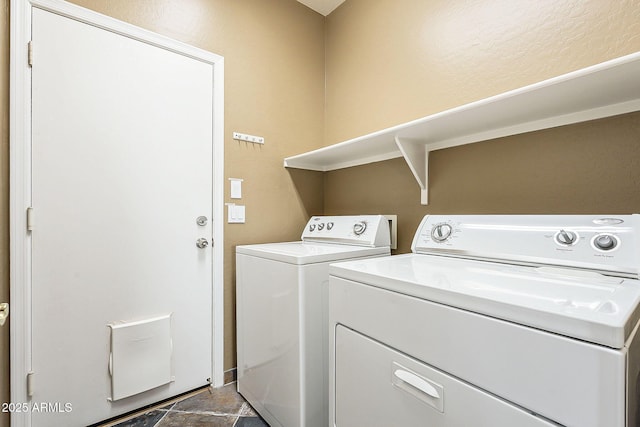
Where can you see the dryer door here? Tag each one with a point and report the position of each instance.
(377, 386)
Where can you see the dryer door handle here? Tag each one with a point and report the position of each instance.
(417, 382)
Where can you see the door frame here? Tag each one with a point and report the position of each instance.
(20, 179)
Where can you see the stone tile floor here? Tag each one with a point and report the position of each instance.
(221, 407)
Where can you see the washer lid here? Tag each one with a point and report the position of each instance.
(309, 252)
(583, 305)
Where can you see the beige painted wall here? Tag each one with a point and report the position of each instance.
(274, 87)
(391, 61)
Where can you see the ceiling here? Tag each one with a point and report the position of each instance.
(323, 7)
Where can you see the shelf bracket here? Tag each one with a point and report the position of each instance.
(416, 154)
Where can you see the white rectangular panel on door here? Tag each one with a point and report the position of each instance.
(141, 356)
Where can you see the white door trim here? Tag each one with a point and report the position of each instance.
(20, 179)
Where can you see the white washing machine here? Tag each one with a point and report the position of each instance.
(281, 297)
(492, 321)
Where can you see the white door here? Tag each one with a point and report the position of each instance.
(121, 170)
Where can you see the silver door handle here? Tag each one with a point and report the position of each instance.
(202, 243)
(4, 312)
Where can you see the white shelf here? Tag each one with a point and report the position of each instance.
(602, 90)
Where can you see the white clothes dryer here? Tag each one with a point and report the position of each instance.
(281, 311)
(492, 321)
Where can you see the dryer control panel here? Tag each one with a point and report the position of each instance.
(360, 230)
(608, 244)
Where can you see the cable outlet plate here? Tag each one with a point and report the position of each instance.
(248, 138)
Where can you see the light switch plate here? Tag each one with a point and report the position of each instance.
(235, 214)
(236, 188)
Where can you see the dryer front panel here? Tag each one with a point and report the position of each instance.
(378, 386)
(565, 380)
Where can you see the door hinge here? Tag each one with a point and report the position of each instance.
(29, 219)
(30, 384)
(30, 53)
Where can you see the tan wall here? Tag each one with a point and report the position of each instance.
(274, 87)
(392, 61)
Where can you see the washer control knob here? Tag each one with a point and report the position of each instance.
(329, 225)
(605, 242)
(441, 232)
(566, 238)
(359, 228)
(312, 227)
(320, 226)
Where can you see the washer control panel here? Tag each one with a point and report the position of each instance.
(360, 230)
(608, 244)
